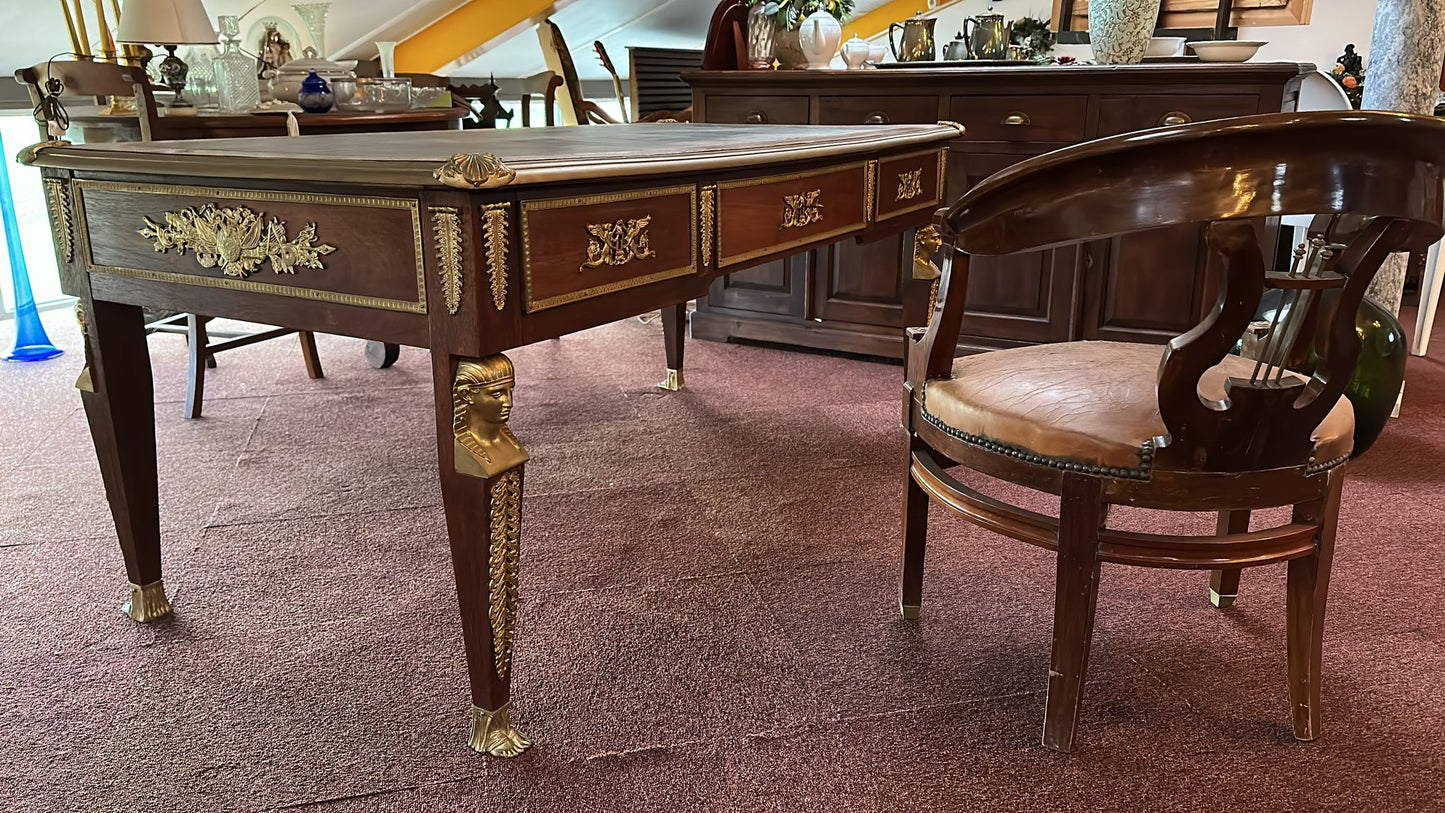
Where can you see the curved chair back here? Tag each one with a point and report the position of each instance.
(82, 78)
(1384, 170)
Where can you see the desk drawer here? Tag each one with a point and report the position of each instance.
(342, 249)
(878, 110)
(766, 215)
(908, 183)
(1021, 118)
(1123, 114)
(757, 109)
(577, 248)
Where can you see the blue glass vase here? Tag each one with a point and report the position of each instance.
(31, 343)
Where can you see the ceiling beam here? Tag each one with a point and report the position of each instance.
(459, 37)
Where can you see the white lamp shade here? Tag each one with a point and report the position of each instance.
(165, 22)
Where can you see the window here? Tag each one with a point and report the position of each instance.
(1201, 13)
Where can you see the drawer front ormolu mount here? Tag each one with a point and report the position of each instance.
(580, 247)
(342, 249)
(762, 216)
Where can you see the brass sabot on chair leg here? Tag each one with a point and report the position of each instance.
(147, 602)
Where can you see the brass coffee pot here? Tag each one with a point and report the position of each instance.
(987, 36)
(917, 39)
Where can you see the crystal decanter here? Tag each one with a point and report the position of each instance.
(235, 71)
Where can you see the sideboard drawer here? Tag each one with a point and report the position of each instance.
(878, 110)
(1021, 118)
(1123, 114)
(768, 215)
(757, 109)
(577, 248)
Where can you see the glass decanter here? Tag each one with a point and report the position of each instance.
(235, 71)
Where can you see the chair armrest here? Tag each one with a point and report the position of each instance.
(931, 355)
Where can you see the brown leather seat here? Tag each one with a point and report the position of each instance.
(1088, 403)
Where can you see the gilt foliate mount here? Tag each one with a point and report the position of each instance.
(237, 240)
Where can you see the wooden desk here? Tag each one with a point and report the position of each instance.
(859, 298)
(99, 128)
(469, 243)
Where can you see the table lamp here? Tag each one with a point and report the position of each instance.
(168, 23)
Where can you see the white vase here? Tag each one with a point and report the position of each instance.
(819, 35)
(386, 50)
(1119, 30)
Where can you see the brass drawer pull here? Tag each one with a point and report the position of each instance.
(1016, 120)
(1173, 118)
(756, 117)
(877, 118)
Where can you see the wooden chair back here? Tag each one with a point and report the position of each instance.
(1383, 174)
(726, 47)
(95, 79)
(559, 62)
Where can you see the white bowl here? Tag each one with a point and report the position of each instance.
(1165, 46)
(1226, 50)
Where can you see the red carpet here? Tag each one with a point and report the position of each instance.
(708, 616)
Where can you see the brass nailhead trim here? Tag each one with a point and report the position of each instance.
(1312, 468)
(1146, 454)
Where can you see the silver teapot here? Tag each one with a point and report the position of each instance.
(956, 50)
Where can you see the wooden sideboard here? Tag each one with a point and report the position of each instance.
(858, 297)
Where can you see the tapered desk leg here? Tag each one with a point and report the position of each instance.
(115, 387)
(481, 465)
(674, 336)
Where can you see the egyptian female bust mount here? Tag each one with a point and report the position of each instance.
(482, 402)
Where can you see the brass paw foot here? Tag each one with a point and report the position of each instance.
(910, 611)
(147, 602)
(1222, 602)
(494, 734)
(673, 382)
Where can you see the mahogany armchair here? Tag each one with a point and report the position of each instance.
(1186, 427)
(86, 78)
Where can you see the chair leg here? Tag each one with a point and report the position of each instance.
(309, 355)
(1082, 512)
(1309, 580)
(915, 537)
(1224, 584)
(196, 366)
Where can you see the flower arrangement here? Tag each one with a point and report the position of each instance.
(1349, 72)
(789, 13)
(1034, 35)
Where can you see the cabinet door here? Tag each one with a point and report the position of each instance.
(861, 283)
(1026, 297)
(1152, 286)
(774, 287)
(1146, 287)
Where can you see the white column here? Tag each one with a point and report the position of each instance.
(1403, 74)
